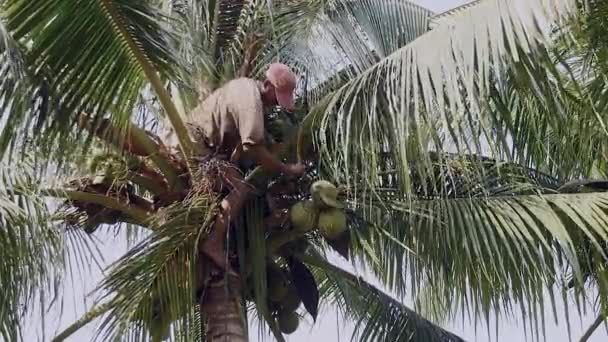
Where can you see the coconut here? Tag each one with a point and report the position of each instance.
(288, 322)
(302, 216)
(332, 223)
(325, 195)
(291, 301)
(277, 287)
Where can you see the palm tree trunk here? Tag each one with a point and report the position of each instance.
(222, 311)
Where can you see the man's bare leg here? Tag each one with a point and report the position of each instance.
(214, 244)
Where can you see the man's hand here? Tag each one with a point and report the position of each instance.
(294, 170)
(270, 163)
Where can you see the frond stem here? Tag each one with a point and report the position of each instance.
(598, 321)
(177, 123)
(84, 320)
(140, 215)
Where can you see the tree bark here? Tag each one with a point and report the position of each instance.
(222, 310)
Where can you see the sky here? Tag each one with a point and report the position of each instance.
(328, 327)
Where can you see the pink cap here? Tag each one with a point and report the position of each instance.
(284, 82)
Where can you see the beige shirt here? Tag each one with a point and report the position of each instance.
(230, 117)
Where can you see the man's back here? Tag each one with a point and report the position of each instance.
(230, 116)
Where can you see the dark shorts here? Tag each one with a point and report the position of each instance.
(246, 165)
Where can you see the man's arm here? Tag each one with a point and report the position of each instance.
(247, 110)
(269, 162)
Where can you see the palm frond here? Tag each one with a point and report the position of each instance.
(463, 176)
(227, 19)
(213, 32)
(472, 224)
(386, 25)
(436, 19)
(31, 250)
(17, 112)
(345, 38)
(564, 136)
(94, 60)
(198, 70)
(478, 247)
(377, 316)
(430, 95)
(154, 287)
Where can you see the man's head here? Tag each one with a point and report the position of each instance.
(279, 86)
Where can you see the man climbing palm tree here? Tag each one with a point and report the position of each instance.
(230, 125)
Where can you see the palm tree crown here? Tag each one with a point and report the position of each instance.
(467, 147)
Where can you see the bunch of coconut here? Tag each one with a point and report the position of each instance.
(284, 300)
(324, 211)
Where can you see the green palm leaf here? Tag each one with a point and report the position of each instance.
(94, 57)
(473, 230)
(31, 250)
(386, 25)
(17, 113)
(564, 135)
(227, 16)
(479, 245)
(153, 288)
(431, 94)
(377, 316)
(354, 35)
(215, 31)
(486, 78)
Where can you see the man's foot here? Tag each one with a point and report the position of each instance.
(212, 247)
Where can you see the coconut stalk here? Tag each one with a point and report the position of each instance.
(136, 141)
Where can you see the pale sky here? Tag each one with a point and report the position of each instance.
(328, 327)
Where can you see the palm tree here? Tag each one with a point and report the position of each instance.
(454, 137)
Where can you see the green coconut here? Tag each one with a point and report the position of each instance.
(291, 301)
(278, 287)
(288, 322)
(325, 195)
(302, 215)
(332, 223)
